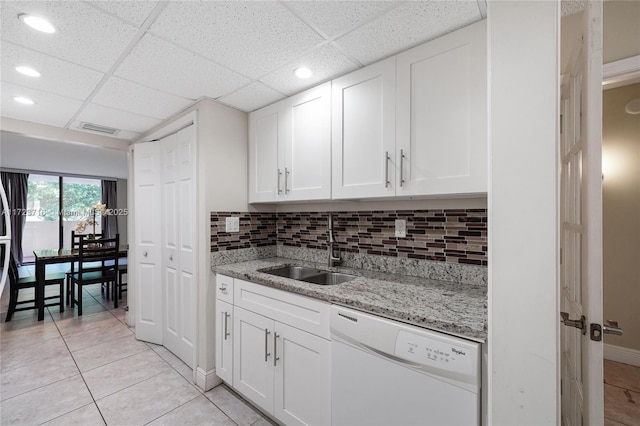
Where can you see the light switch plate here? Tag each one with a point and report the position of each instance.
(233, 224)
(401, 228)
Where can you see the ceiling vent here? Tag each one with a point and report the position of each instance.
(99, 129)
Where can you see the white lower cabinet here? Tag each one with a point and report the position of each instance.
(224, 341)
(281, 368)
(302, 377)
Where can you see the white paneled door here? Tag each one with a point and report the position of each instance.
(164, 173)
(178, 239)
(147, 161)
(581, 228)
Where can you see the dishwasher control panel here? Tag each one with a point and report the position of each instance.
(446, 354)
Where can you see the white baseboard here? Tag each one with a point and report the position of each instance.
(623, 355)
(207, 380)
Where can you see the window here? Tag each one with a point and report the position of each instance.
(55, 204)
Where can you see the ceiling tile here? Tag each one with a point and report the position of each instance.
(162, 65)
(59, 77)
(86, 36)
(251, 38)
(105, 116)
(135, 12)
(408, 25)
(252, 97)
(48, 109)
(127, 96)
(337, 17)
(325, 63)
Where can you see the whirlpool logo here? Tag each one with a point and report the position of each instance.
(457, 351)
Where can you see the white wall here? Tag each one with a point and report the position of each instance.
(621, 215)
(36, 154)
(523, 313)
(621, 22)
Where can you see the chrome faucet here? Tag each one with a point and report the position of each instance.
(333, 260)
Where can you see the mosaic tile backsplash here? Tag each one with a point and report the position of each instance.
(454, 235)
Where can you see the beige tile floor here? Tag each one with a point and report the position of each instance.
(621, 394)
(91, 370)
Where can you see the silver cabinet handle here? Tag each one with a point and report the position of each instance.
(386, 169)
(402, 157)
(286, 180)
(145, 254)
(223, 289)
(170, 258)
(275, 348)
(279, 175)
(266, 344)
(226, 318)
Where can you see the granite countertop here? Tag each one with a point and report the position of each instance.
(453, 308)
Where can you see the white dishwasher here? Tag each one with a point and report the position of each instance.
(388, 373)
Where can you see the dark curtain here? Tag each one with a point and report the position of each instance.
(16, 186)
(109, 197)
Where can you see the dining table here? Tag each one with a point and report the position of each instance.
(54, 256)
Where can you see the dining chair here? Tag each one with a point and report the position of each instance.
(75, 244)
(17, 283)
(97, 260)
(122, 270)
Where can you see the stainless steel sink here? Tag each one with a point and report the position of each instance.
(311, 275)
(294, 272)
(329, 278)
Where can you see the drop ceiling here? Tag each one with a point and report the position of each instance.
(130, 65)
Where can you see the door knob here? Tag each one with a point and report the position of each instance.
(579, 323)
(612, 328)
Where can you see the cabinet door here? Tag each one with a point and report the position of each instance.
(303, 379)
(266, 160)
(252, 357)
(308, 145)
(442, 115)
(363, 132)
(224, 341)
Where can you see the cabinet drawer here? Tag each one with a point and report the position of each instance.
(224, 288)
(297, 311)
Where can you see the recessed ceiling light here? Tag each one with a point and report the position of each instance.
(23, 100)
(37, 23)
(303, 72)
(28, 71)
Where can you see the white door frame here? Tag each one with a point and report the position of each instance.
(619, 73)
(524, 73)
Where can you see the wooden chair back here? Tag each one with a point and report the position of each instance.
(101, 251)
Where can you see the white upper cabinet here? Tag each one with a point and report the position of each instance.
(363, 132)
(266, 134)
(441, 115)
(290, 148)
(414, 125)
